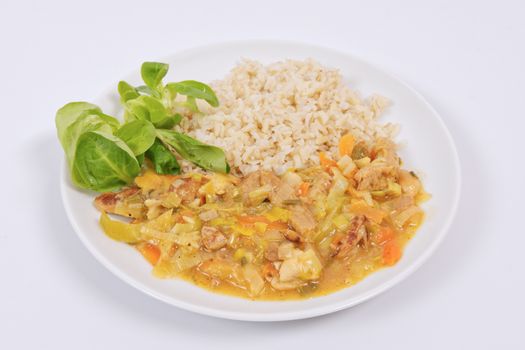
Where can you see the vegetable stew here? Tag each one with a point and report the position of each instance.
(304, 233)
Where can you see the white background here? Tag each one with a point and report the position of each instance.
(466, 57)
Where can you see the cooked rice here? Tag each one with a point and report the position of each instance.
(281, 115)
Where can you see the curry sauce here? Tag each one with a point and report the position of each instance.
(304, 233)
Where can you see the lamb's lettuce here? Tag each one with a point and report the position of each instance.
(206, 156)
(74, 119)
(194, 89)
(163, 160)
(126, 92)
(73, 111)
(97, 159)
(104, 155)
(85, 123)
(103, 162)
(152, 73)
(139, 135)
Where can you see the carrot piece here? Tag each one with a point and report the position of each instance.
(277, 225)
(391, 253)
(251, 219)
(346, 145)
(303, 189)
(326, 162)
(385, 234)
(150, 251)
(374, 214)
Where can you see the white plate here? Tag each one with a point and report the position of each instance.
(429, 149)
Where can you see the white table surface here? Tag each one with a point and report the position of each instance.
(466, 57)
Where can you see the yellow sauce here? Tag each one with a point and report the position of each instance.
(303, 234)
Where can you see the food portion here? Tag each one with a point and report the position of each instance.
(102, 154)
(277, 182)
(280, 116)
(305, 232)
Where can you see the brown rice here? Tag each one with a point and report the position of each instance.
(282, 115)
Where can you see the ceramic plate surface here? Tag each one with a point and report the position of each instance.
(426, 146)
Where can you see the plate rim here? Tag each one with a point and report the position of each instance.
(287, 315)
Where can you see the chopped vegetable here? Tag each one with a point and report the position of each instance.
(303, 189)
(278, 214)
(220, 269)
(260, 194)
(120, 231)
(260, 227)
(243, 230)
(360, 150)
(341, 222)
(252, 219)
(391, 253)
(277, 225)
(267, 236)
(150, 251)
(326, 162)
(292, 179)
(243, 256)
(346, 165)
(223, 222)
(362, 162)
(371, 213)
(403, 217)
(171, 200)
(179, 228)
(253, 279)
(383, 235)
(409, 182)
(298, 264)
(393, 190)
(339, 187)
(163, 223)
(346, 145)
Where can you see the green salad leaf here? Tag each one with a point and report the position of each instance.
(104, 155)
(103, 162)
(76, 118)
(206, 156)
(73, 111)
(69, 113)
(194, 89)
(127, 92)
(85, 123)
(152, 74)
(151, 109)
(139, 135)
(144, 89)
(141, 158)
(163, 160)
